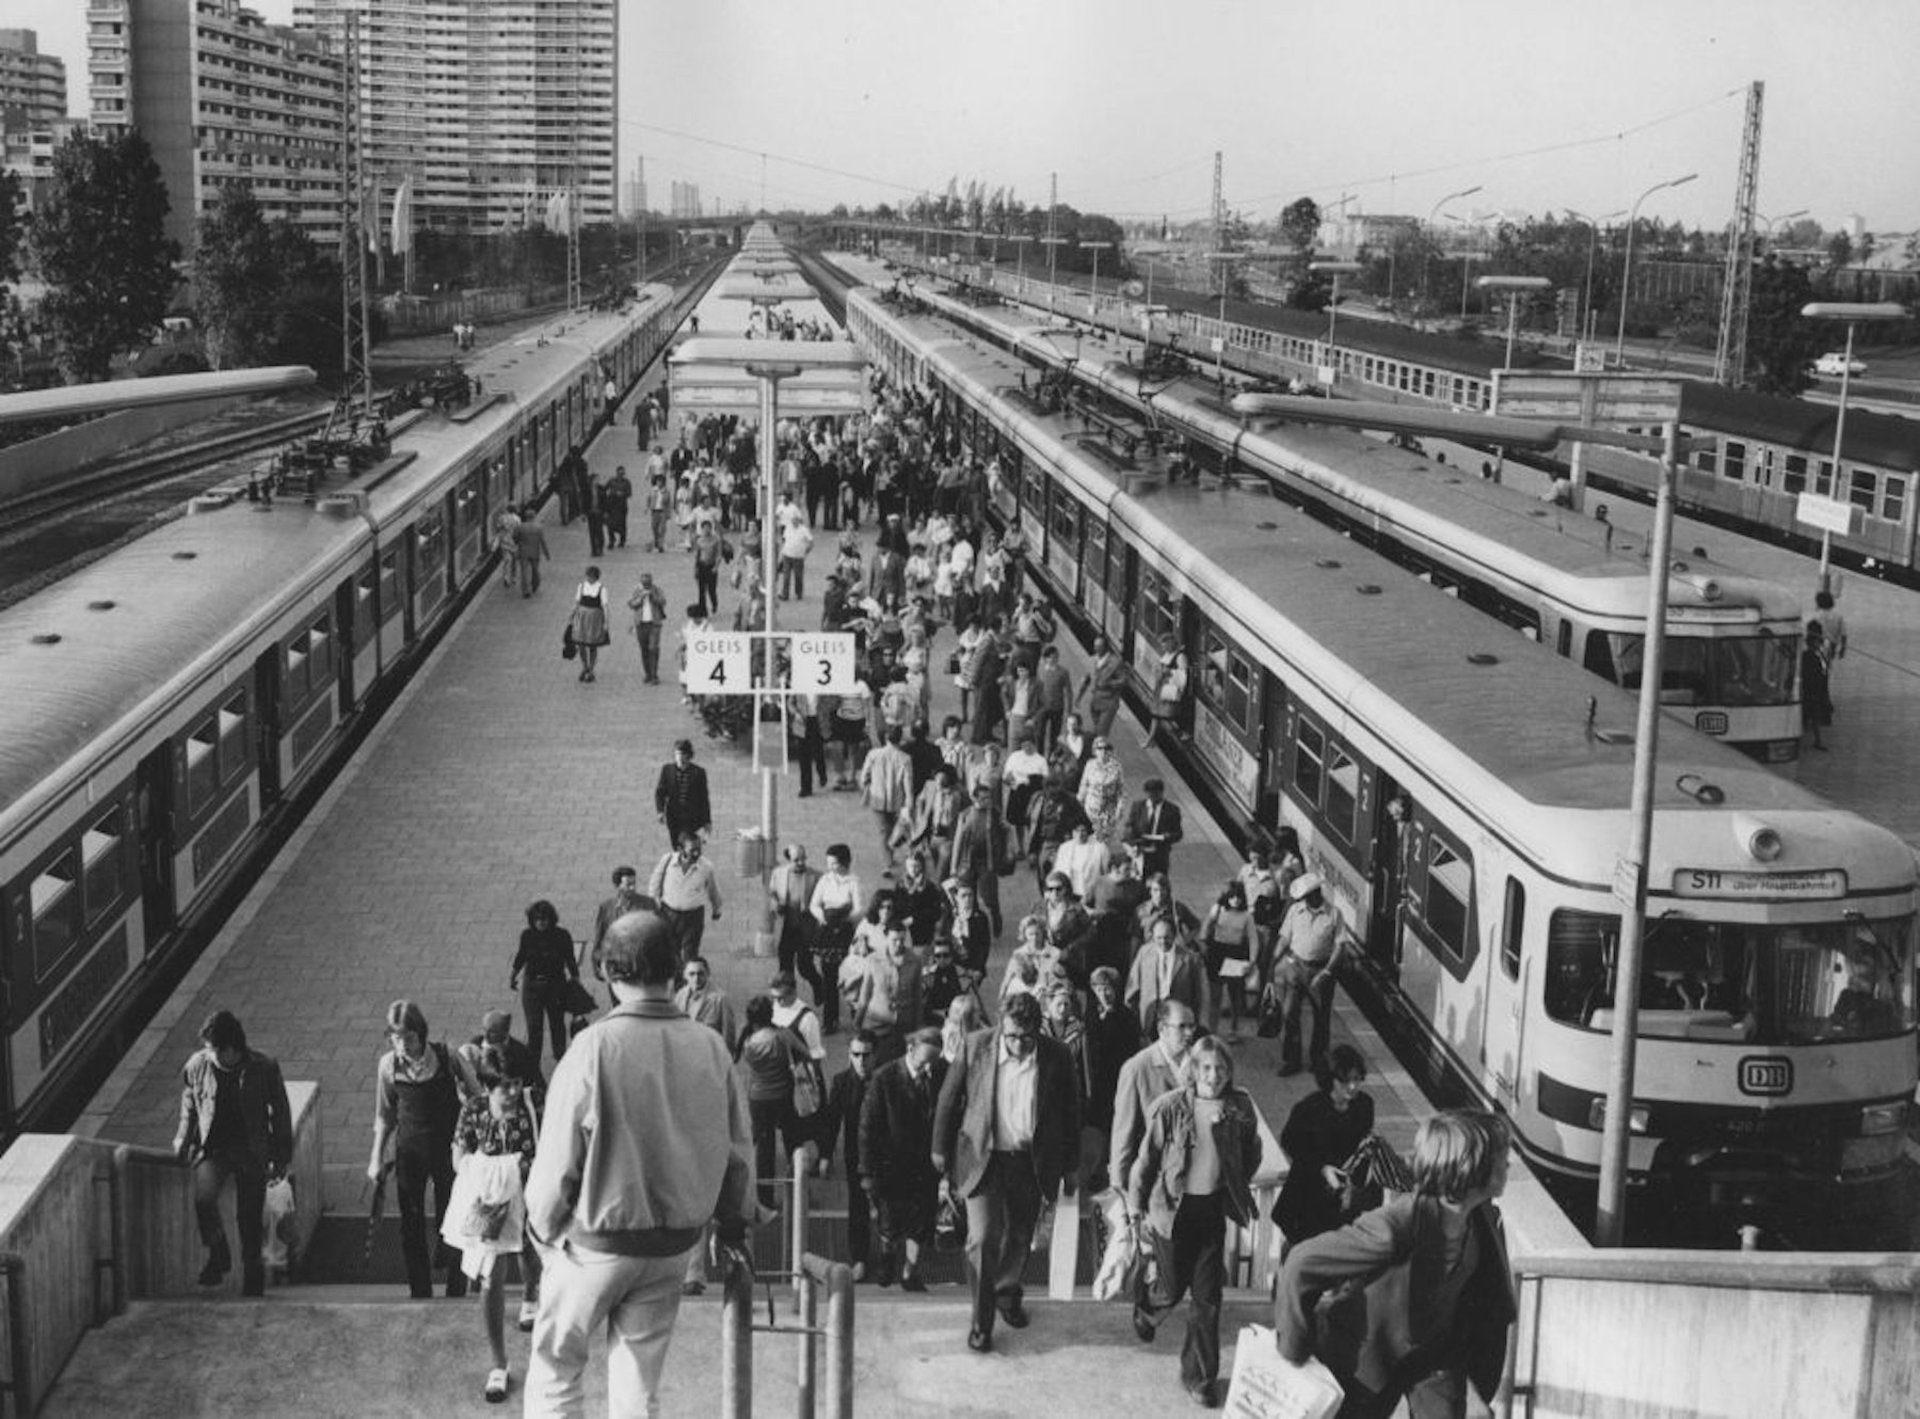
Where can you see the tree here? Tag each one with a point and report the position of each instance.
(11, 227)
(234, 280)
(305, 328)
(1300, 225)
(101, 246)
(1839, 251)
(1781, 343)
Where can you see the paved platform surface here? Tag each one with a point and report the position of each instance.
(498, 779)
(362, 1359)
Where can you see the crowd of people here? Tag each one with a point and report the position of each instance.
(1005, 1046)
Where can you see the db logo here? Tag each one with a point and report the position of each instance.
(1766, 1077)
(1711, 722)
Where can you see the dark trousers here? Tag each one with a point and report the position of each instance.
(616, 529)
(706, 581)
(414, 1166)
(826, 994)
(1192, 1260)
(811, 750)
(1300, 984)
(688, 927)
(797, 956)
(541, 1008)
(249, 1176)
(767, 1117)
(1001, 1215)
(649, 634)
(859, 1216)
(596, 534)
(1047, 725)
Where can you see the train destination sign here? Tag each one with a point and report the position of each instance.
(1824, 885)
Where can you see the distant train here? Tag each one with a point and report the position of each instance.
(1761, 450)
(164, 703)
(1465, 795)
(1579, 586)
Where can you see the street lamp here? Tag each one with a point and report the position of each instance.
(1515, 287)
(1432, 213)
(1336, 269)
(1053, 245)
(1853, 312)
(1220, 343)
(1783, 217)
(1593, 243)
(1626, 265)
(1020, 271)
(1093, 293)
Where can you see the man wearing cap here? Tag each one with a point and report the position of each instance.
(645, 1142)
(680, 796)
(1309, 947)
(1154, 823)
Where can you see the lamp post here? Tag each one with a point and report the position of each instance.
(1432, 214)
(1336, 269)
(1783, 217)
(1853, 312)
(1593, 245)
(1220, 343)
(1020, 271)
(1093, 291)
(1626, 264)
(1053, 245)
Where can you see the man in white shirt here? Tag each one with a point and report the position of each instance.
(1307, 955)
(796, 540)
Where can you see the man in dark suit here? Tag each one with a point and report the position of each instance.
(1154, 823)
(846, 1101)
(1006, 1134)
(896, 1155)
(680, 797)
(1166, 970)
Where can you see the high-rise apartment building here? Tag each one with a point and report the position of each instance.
(685, 200)
(490, 106)
(221, 97)
(33, 86)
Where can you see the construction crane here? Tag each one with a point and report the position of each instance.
(1736, 290)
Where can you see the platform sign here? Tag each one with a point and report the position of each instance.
(823, 663)
(720, 663)
(1827, 514)
(1587, 398)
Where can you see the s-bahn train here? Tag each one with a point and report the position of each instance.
(165, 703)
(1579, 586)
(1465, 795)
(1757, 452)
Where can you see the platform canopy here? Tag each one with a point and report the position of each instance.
(83, 400)
(719, 375)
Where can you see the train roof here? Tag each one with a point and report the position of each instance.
(85, 654)
(1883, 440)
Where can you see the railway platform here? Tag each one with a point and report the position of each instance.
(498, 778)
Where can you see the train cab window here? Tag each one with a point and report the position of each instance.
(1343, 795)
(101, 861)
(54, 900)
(1513, 928)
(1309, 761)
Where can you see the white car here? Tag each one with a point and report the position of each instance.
(1837, 364)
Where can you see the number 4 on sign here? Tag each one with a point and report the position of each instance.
(719, 663)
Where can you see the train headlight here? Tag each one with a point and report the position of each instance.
(1883, 1118)
(1637, 1116)
(1760, 840)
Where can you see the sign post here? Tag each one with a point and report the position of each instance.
(1587, 398)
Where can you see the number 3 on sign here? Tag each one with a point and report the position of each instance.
(719, 663)
(826, 663)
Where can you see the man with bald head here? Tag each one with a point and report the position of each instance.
(1159, 1067)
(645, 1142)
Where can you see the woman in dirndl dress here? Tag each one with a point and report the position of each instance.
(589, 625)
(486, 1214)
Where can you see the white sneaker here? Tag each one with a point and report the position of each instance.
(529, 1312)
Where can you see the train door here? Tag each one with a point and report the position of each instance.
(1273, 749)
(1505, 1016)
(153, 805)
(349, 621)
(1392, 811)
(266, 722)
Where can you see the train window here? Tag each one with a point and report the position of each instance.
(389, 584)
(1343, 795)
(1893, 498)
(1862, 485)
(54, 900)
(1707, 460)
(1734, 465)
(1794, 476)
(1449, 889)
(1309, 759)
(100, 860)
(1513, 929)
(1159, 610)
(232, 718)
(203, 766)
(1823, 478)
(320, 651)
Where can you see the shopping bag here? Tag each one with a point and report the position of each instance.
(279, 1228)
(1122, 1266)
(1265, 1383)
(1063, 1246)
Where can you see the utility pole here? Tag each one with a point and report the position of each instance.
(573, 175)
(356, 225)
(1736, 293)
(1219, 225)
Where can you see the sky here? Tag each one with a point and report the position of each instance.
(1545, 105)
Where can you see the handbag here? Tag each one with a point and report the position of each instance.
(576, 999)
(567, 647)
(806, 1093)
(953, 663)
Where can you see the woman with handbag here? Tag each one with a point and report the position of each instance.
(776, 1061)
(588, 628)
(1227, 943)
(838, 901)
(1414, 1299)
(486, 1213)
(546, 962)
(1321, 1134)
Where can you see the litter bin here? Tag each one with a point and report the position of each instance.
(752, 853)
